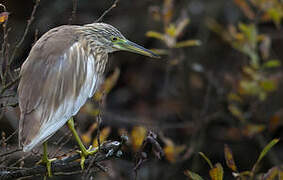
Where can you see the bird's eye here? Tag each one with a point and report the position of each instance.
(114, 39)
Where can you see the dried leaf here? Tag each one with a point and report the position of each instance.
(3, 16)
(86, 137)
(138, 134)
(235, 111)
(216, 173)
(192, 175)
(206, 159)
(229, 158)
(242, 4)
(168, 8)
(265, 46)
(172, 151)
(253, 129)
(273, 123)
(280, 175)
(181, 26)
(271, 174)
(107, 85)
(104, 133)
(234, 97)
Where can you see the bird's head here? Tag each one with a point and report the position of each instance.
(112, 40)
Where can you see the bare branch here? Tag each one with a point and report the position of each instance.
(25, 33)
(107, 11)
(69, 164)
(10, 84)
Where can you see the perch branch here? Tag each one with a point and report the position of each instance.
(69, 164)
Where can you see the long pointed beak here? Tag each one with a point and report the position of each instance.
(126, 45)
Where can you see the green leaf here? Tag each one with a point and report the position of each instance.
(206, 159)
(268, 85)
(272, 64)
(266, 149)
(156, 35)
(187, 43)
(276, 15)
(192, 175)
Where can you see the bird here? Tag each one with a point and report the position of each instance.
(64, 68)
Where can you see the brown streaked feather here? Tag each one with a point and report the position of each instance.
(56, 80)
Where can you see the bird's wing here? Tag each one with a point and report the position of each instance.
(52, 89)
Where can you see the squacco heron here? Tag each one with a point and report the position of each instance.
(64, 68)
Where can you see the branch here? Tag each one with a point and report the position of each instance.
(107, 11)
(25, 33)
(69, 164)
(10, 84)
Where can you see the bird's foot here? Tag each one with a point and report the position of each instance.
(47, 162)
(85, 153)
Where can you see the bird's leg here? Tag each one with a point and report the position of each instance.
(83, 151)
(45, 160)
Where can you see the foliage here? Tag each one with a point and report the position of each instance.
(216, 172)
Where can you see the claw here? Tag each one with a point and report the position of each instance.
(85, 153)
(47, 163)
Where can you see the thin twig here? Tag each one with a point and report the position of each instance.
(25, 33)
(74, 11)
(10, 84)
(10, 152)
(9, 137)
(107, 11)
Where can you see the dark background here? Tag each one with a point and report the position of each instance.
(182, 97)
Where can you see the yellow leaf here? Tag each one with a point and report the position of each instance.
(268, 85)
(253, 129)
(187, 43)
(234, 97)
(104, 133)
(272, 63)
(276, 15)
(107, 85)
(138, 134)
(3, 16)
(229, 158)
(235, 111)
(271, 174)
(216, 173)
(172, 151)
(192, 175)
(86, 137)
(243, 5)
(156, 35)
(171, 30)
(280, 175)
